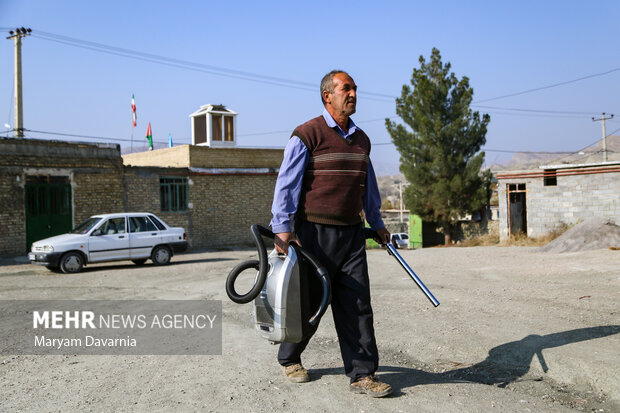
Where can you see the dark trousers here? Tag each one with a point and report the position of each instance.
(341, 249)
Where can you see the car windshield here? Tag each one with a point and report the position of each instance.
(86, 226)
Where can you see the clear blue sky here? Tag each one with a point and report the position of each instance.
(503, 47)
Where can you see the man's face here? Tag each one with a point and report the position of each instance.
(343, 97)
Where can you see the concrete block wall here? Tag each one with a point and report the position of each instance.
(576, 198)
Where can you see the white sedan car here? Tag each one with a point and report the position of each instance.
(400, 240)
(131, 236)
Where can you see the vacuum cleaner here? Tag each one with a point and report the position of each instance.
(280, 296)
(281, 302)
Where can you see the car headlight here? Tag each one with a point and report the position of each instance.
(47, 248)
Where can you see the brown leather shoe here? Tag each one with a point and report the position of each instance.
(372, 386)
(296, 373)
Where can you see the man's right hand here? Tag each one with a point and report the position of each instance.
(282, 239)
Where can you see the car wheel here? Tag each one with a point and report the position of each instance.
(71, 263)
(161, 255)
(139, 262)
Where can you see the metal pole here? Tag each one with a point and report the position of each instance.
(392, 251)
(400, 192)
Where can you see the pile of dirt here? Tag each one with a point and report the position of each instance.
(597, 233)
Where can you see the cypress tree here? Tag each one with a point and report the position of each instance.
(440, 151)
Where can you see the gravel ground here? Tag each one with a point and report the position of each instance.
(517, 330)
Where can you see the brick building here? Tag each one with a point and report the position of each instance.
(228, 189)
(536, 202)
(215, 193)
(47, 186)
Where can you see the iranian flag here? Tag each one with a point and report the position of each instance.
(133, 111)
(149, 137)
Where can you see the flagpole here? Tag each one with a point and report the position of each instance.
(133, 118)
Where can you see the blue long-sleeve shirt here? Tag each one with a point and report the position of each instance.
(290, 179)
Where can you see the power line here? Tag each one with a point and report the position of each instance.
(104, 138)
(189, 65)
(593, 143)
(115, 139)
(557, 112)
(277, 81)
(551, 86)
(567, 153)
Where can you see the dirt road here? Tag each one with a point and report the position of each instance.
(517, 331)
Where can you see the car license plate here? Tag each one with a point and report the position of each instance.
(32, 257)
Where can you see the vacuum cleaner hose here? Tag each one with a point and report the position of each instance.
(261, 265)
(321, 273)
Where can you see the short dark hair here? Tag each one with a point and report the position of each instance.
(327, 82)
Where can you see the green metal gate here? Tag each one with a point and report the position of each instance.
(48, 207)
(415, 231)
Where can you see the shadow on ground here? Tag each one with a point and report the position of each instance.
(505, 363)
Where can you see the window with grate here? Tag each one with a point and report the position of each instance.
(173, 193)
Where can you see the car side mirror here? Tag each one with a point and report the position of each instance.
(96, 233)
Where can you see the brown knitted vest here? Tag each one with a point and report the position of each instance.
(335, 178)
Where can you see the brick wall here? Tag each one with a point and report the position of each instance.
(222, 206)
(575, 198)
(176, 157)
(94, 172)
(12, 212)
(142, 195)
(225, 206)
(96, 192)
(204, 157)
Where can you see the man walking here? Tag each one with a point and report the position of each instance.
(325, 181)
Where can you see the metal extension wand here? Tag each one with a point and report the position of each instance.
(392, 251)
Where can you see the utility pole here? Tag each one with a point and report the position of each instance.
(603, 118)
(400, 194)
(19, 106)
